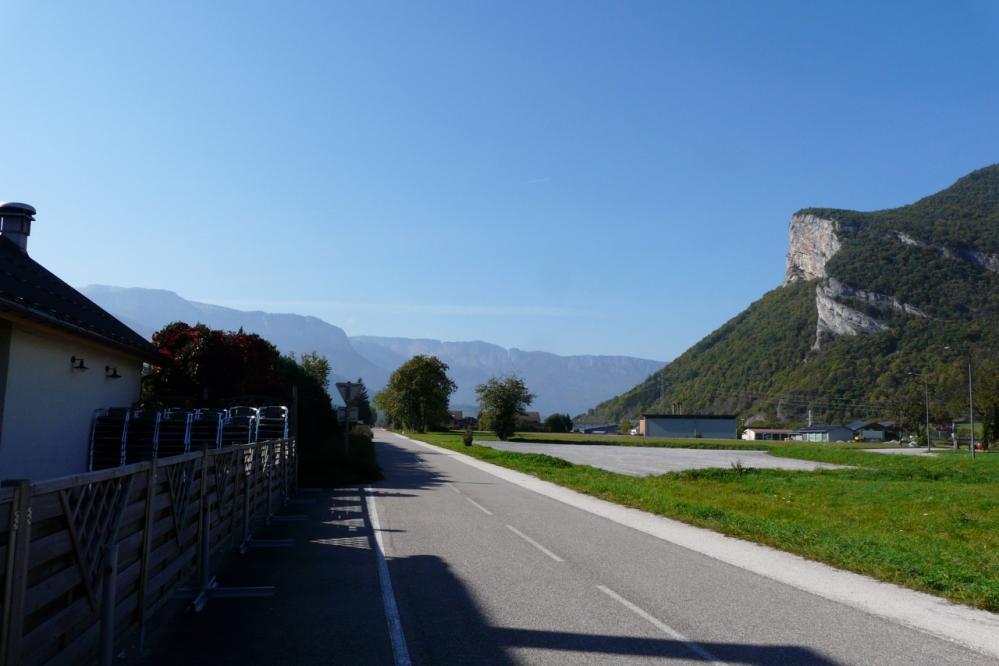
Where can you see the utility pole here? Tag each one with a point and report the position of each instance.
(971, 407)
(971, 402)
(926, 403)
(926, 399)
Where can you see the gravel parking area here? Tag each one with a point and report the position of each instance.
(648, 461)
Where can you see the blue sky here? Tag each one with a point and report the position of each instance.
(576, 177)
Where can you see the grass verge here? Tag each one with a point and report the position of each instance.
(930, 524)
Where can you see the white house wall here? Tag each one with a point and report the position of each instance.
(48, 406)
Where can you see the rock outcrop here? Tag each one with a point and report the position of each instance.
(836, 289)
(837, 318)
(812, 242)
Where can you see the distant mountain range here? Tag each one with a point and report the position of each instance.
(569, 384)
(868, 299)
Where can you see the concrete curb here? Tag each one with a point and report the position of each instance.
(969, 627)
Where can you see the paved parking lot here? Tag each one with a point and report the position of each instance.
(648, 460)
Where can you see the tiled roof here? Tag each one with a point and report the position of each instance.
(29, 290)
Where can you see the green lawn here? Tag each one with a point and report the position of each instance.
(930, 524)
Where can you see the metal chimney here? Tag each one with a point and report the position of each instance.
(15, 222)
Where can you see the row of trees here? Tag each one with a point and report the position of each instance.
(419, 391)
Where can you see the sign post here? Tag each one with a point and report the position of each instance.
(349, 391)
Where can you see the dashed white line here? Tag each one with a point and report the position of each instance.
(534, 543)
(455, 490)
(662, 626)
(400, 653)
(479, 506)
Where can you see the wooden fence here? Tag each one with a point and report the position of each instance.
(135, 534)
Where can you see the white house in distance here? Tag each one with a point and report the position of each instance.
(766, 434)
(61, 358)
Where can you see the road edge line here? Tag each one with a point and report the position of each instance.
(400, 653)
(969, 627)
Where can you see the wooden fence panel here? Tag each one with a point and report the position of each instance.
(54, 534)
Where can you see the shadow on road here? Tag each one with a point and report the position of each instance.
(444, 625)
(327, 606)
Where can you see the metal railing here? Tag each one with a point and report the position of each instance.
(86, 559)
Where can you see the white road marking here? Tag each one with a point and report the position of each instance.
(458, 492)
(662, 626)
(479, 506)
(534, 543)
(400, 653)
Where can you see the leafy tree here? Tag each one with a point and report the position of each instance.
(318, 367)
(625, 427)
(503, 400)
(417, 394)
(558, 423)
(204, 367)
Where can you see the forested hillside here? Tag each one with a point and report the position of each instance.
(872, 303)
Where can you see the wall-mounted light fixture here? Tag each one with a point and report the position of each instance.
(111, 373)
(76, 362)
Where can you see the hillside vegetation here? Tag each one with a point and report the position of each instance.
(940, 255)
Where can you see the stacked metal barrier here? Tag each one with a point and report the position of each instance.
(124, 436)
(239, 426)
(272, 422)
(206, 429)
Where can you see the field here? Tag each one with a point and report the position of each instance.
(930, 524)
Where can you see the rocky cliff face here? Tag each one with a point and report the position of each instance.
(812, 242)
(835, 318)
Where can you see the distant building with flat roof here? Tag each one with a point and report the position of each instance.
(708, 426)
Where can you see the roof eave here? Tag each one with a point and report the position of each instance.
(147, 354)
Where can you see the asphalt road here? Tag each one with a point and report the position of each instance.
(649, 460)
(487, 572)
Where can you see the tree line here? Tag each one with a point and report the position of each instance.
(419, 391)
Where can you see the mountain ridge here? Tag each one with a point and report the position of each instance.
(562, 383)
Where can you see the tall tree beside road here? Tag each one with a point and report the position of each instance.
(365, 414)
(502, 401)
(417, 394)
